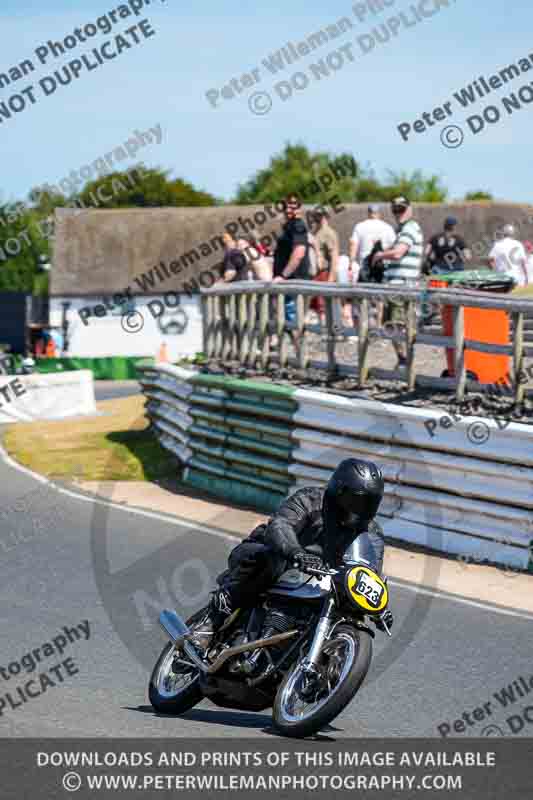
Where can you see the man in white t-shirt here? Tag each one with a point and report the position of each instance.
(509, 256)
(367, 233)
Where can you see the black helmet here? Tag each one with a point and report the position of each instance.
(354, 493)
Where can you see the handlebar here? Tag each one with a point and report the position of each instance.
(319, 571)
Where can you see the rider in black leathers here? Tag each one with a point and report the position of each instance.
(329, 519)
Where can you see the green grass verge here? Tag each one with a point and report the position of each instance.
(114, 446)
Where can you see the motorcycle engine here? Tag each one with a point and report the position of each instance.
(279, 618)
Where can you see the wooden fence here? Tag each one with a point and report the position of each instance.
(239, 320)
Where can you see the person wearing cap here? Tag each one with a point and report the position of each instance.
(508, 256)
(402, 263)
(447, 251)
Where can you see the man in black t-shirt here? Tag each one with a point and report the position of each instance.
(447, 251)
(291, 259)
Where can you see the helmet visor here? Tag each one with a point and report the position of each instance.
(353, 509)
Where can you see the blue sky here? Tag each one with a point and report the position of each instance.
(202, 46)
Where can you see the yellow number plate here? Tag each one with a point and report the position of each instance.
(367, 589)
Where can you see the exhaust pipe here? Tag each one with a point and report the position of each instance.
(178, 632)
(174, 626)
(210, 669)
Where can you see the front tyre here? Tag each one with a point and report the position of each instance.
(174, 688)
(303, 707)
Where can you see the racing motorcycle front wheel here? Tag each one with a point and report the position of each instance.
(307, 702)
(174, 686)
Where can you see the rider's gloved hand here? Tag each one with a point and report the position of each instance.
(387, 618)
(305, 560)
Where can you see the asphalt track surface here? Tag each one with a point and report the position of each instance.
(110, 390)
(66, 559)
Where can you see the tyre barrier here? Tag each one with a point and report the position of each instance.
(255, 442)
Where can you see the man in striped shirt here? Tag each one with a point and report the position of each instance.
(402, 263)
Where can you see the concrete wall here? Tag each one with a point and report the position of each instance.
(101, 252)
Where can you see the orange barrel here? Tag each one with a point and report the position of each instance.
(491, 326)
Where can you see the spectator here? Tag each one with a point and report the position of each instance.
(367, 233)
(373, 233)
(259, 265)
(508, 256)
(528, 247)
(235, 265)
(326, 243)
(265, 249)
(291, 258)
(345, 272)
(447, 251)
(58, 340)
(402, 263)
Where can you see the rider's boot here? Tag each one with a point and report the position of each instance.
(219, 612)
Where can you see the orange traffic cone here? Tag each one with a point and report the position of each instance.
(162, 355)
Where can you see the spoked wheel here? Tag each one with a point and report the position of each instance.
(174, 685)
(305, 704)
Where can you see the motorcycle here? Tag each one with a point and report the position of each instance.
(303, 650)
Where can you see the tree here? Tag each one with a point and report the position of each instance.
(417, 187)
(142, 187)
(296, 170)
(20, 246)
(45, 202)
(368, 189)
(25, 228)
(478, 196)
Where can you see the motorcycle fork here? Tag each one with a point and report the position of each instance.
(310, 664)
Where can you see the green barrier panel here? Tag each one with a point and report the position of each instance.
(237, 385)
(251, 469)
(275, 449)
(279, 450)
(117, 368)
(204, 399)
(240, 439)
(208, 433)
(212, 467)
(262, 409)
(225, 455)
(242, 494)
(270, 481)
(260, 463)
(238, 427)
(246, 404)
(269, 430)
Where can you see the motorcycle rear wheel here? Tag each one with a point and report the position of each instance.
(345, 661)
(173, 688)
